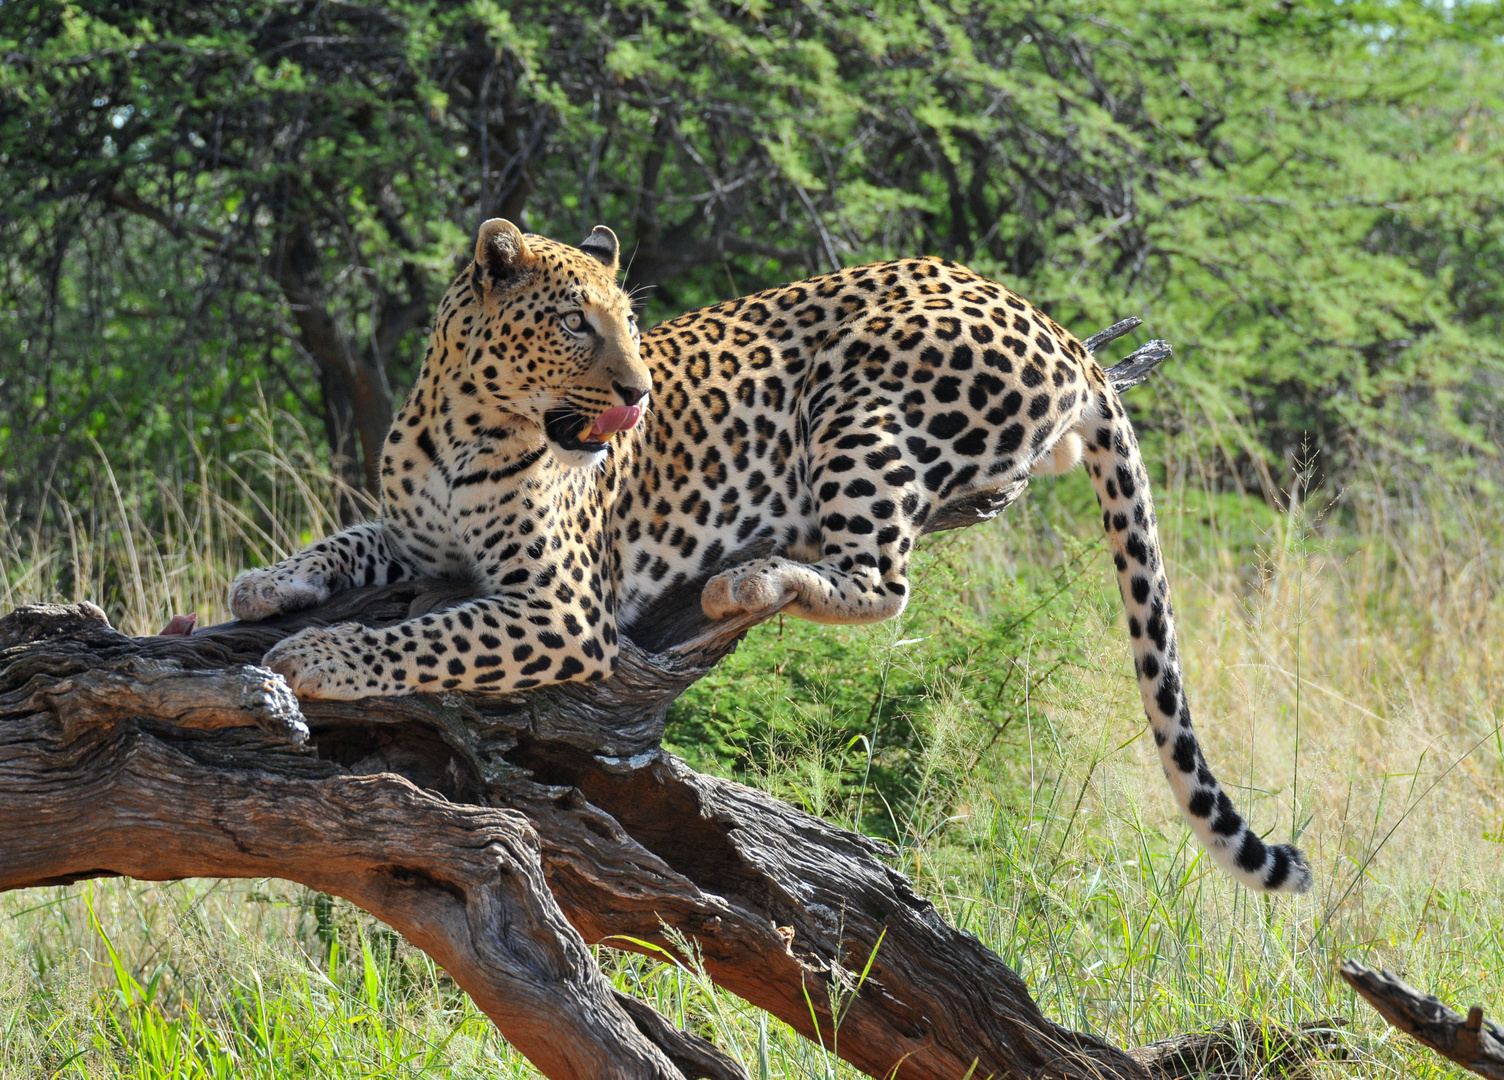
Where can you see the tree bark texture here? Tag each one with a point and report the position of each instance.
(503, 835)
(1243, 1050)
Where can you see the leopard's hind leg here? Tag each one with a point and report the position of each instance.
(867, 505)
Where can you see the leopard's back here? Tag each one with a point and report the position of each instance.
(913, 366)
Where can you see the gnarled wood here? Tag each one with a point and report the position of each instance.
(501, 834)
(117, 759)
(1242, 1050)
(1470, 1041)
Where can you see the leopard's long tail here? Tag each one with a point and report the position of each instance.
(1122, 484)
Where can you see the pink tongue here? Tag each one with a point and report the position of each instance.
(179, 624)
(617, 418)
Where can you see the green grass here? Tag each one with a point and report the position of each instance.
(1343, 663)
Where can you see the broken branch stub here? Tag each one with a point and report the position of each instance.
(502, 835)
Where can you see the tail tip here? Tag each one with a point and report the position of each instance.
(1287, 870)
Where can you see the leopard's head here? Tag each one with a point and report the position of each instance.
(556, 342)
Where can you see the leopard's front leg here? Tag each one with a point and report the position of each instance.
(500, 643)
(830, 591)
(863, 577)
(359, 555)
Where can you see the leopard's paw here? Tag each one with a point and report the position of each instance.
(755, 588)
(327, 662)
(260, 594)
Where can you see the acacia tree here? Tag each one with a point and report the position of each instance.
(196, 198)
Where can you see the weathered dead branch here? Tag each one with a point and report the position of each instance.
(1470, 1041)
(1242, 1049)
(502, 835)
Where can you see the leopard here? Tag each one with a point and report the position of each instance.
(779, 452)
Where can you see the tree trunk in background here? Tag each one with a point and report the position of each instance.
(353, 382)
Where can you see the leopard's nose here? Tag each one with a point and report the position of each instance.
(630, 395)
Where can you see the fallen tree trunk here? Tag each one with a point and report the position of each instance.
(503, 834)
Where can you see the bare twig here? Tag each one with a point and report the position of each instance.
(1112, 333)
(1138, 365)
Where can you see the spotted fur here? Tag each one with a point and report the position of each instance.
(818, 426)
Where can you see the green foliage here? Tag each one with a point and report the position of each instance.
(1303, 198)
(355, 1001)
(853, 723)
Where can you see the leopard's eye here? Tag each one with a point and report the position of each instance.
(632, 326)
(574, 322)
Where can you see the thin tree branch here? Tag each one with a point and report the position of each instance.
(1470, 1041)
(131, 202)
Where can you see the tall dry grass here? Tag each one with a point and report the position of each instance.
(1343, 663)
(146, 546)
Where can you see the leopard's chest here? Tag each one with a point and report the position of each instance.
(478, 511)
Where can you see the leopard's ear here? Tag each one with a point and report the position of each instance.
(502, 252)
(602, 244)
